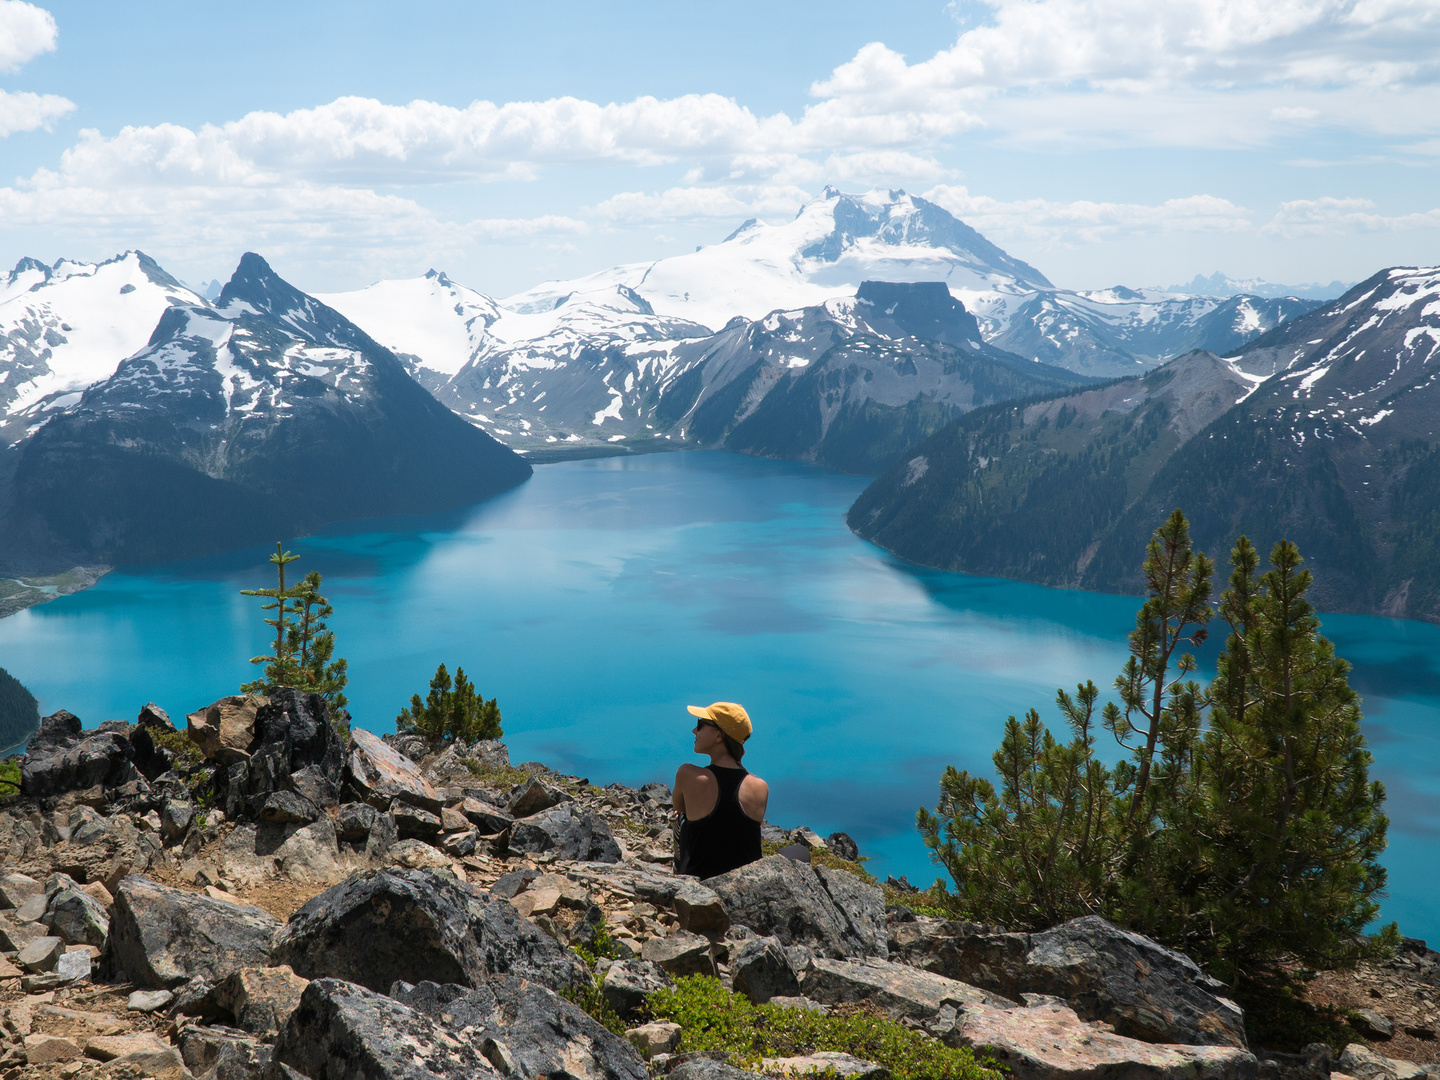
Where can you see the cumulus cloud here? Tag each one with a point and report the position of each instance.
(731, 202)
(26, 31)
(24, 111)
(1324, 216)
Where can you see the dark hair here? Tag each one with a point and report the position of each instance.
(734, 746)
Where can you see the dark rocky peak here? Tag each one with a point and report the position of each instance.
(1126, 294)
(256, 289)
(439, 277)
(635, 298)
(748, 223)
(27, 263)
(922, 309)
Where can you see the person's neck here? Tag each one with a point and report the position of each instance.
(724, 761)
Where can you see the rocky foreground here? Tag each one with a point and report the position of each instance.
(257, 896)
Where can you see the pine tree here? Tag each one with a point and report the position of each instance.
(280, 667)
(304, 644)
(451, 711)
(1294, 824)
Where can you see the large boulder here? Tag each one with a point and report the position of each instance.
(79, 918)
(162, 937)
(293, 734)
(1144, 990)
(60, 757)
(832, 912)
(534, 796)
(1050, 1042)
(629, 982)
(568, 832)
(1363, 1063)
(762, 970)
(225, 729)
(380, 926)
(382, 774)
(508, 1027)
(900, 990)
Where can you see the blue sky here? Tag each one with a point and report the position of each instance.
(1104, 141)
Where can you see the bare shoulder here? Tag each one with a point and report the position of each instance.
(688, 773)
(754, 796)
(755, 784)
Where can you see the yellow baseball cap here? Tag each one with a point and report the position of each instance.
(730, 718)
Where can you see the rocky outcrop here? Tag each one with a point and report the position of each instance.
(567, 833)
(382, 775)
(507, 1027)
(295, 749)
(1050, 1042)
(382, 926)
(225, 730)
(61, 757)
(163, 937)
(829, 911)
(899, 990)
(1141, 988)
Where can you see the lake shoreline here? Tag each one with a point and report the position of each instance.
(20, 593)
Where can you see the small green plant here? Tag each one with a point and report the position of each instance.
(492, 776)
(591, 999)
(452, 710)
(186, 754)
(828, 859)
(600, 945)
(304, 645)
(9, 778)
(713, 1018)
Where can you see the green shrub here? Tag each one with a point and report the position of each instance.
(713, 1018)
(451, 710)
(9, 778)
(179, 743)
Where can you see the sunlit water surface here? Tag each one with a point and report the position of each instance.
(601, 597)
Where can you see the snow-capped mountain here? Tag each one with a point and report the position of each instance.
(65, 327)
(1218, 284)
(1330, 442)
(264, 415)
(835, 242)
(432, 324)
(1120, 331)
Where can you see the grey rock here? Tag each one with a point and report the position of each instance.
(14, 936)
(73, 965)
(260, 999)
(701, 1067)
(508, 885)
(310, 854)
(490, 753)
(488, 819)
(16, 888)
(1105, 974)
(175, 818)
(900, 990)
(629, 982)
(147, 1001)
(162, 937)
(682, 953)
(41, 954)
(533, 797)
(212, 1053)
(78, 917)
(415, 823)
(382, 774)
(1363, 1063)
(33, 910)
(154, 718)
(293, 732)
(355, 821)
(384, 835)
(286, 807)
(63, 762)
(832, 912)
(151, 760)
(380, 926)
(762, 971)
(569, 832)
(1371, 1024)
(699, 909)
(316, 786)
(833, 1063)
(429, 1031)
(843, 846)
(1050, 1042)
(1143, 989)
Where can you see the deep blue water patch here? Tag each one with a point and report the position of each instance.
(601, 597)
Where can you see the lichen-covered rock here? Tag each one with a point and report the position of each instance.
(682, 953)
(1050, 1042)
(163, 937)
(382, 774)
(380, 926)
(699, 909)
(833, 913)
(568, 832)
(60, 757)
(534, 796)
(629, 982)
(76, 916)
(900, 990)
(219, 1054)
(508, 1027)
(260, 999)
(762, 971)
(833, 1063)
(1363, 1063)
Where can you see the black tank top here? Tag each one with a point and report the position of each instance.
(723, 839)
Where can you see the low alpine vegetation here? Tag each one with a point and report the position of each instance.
(713, 1018)
(452, 710)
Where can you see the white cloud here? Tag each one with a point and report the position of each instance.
(733, 202)
(1332, 216)
(1063, 224)
(26, 31)
(23, 111)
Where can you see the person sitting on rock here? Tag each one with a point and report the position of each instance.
(721, 805)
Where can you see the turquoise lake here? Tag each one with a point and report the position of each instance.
(601, 597)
